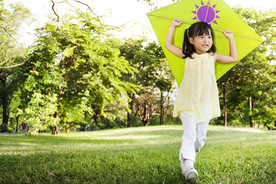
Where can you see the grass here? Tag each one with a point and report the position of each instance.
(137, 155)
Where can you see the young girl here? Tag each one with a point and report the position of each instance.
(197, 101)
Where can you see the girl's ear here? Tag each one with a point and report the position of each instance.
(191, 40)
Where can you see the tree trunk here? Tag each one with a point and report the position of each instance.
(165, 113)
(144, 113)
(131, 107)
(5, 116)
(145, 122)
(251, 108)
(86, 118)
(147, 108)
(4, 104)
(162, 122)
(224, 92)
(55, 130)
(147, 112)
(165, 110)
(17, 123)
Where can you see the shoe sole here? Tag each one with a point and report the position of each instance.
(192, 177)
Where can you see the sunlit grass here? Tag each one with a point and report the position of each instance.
(137, 155)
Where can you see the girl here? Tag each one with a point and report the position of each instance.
(197, 101)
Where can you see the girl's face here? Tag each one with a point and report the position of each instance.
(202, 43)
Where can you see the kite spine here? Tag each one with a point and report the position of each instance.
(213, 29)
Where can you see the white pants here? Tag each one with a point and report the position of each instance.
(194, 137)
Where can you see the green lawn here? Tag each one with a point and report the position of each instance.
(137, 155)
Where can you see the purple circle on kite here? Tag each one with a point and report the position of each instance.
(206, 14)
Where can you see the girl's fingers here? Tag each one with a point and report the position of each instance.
(227, 31)
(178, 20)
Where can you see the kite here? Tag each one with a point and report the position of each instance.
(216, 13)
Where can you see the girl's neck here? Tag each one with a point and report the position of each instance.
(200, 53)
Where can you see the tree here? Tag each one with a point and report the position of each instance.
(251, 84)
(11, 53)
(164, 83)
(154, 77)
(77, 67)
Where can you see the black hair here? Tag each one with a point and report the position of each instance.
(196, 29)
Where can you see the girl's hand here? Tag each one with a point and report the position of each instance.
(228, 34)
(169, 44)
(177, 22)
(233, 53)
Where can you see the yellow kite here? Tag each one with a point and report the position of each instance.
(216, 13)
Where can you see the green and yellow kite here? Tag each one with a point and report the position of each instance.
(215, 12)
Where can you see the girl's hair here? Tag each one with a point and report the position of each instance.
(196, 29)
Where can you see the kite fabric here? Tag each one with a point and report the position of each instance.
(216, 13)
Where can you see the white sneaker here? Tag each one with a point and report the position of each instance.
(190, 174)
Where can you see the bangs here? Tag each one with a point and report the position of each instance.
(202, 28)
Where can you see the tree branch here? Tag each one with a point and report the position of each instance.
(8, 33)
(91, 11)
(13, 66)
(53, 8)
(1, 63)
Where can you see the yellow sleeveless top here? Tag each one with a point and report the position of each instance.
(198, 92)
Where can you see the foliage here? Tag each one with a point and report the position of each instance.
(139, 155)
(77, 75)
(154, 77)
(11, 54)
(40, 112)
(77, 64)
(251, 83)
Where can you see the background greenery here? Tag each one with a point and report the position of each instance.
(138, 155)
(79, 76)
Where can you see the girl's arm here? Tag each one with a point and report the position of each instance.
(233, 54)
(169, 40)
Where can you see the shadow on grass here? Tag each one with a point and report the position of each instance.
(93, 138)
(143, 155)
(135, 164)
